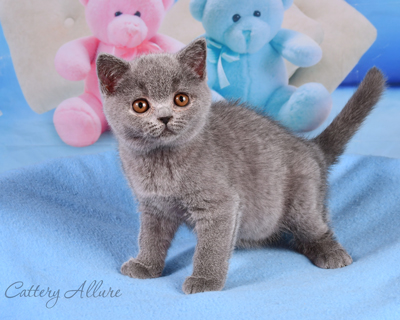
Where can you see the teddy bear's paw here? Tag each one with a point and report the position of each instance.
(72, 63)
(135, 269)
(76, 123)
(198, 284)
(307, 108)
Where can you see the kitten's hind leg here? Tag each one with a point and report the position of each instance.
(325, 252)
(316, 241)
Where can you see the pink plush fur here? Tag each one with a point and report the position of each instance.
(79, 121)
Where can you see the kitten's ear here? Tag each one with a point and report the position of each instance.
(194, 56)
(110, 71)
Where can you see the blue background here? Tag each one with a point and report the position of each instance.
(385, 53)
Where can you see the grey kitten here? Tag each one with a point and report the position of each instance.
(237, 177)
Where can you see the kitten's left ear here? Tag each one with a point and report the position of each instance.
(110, 71)
(194, 56)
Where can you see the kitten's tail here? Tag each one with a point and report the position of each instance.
(334, 138)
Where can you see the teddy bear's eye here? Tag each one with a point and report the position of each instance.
(257, 13)
(118, 13)
(137, 14)
(236, 18)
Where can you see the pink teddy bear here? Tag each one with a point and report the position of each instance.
(124, 28)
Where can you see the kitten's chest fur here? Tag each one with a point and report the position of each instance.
(158, 181)
(159, 174)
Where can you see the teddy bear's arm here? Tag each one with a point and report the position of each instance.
(73, 60)
(167, 44)
(297, 48)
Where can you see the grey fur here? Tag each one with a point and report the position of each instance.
(237, 177)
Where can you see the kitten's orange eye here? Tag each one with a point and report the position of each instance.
(140, 106)
(181, 100)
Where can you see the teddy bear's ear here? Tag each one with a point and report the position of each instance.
(194, 57)
(168, 4)
(84, 2)
(197, 9)
(287, 3)
(110, 71)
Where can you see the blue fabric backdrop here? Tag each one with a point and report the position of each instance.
(73, 220)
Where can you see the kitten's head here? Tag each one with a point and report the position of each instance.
(157, 100)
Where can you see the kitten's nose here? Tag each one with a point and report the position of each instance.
(165, 119)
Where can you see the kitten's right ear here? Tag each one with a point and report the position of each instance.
(110, 71)
(194, 56)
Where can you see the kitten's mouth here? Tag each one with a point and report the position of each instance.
(167, 132)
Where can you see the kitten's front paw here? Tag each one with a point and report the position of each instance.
(196, 285)
(135, 269)
(338, 258)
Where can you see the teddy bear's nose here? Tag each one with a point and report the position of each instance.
(246, 34)
(132, 29)
(133, 26)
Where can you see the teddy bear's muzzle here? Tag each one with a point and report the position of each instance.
(247, 36)
(127, 31)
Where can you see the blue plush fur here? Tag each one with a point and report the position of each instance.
(247, 45)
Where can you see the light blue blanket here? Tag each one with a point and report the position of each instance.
(69, 222)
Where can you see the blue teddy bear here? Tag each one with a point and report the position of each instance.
(246, 47)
